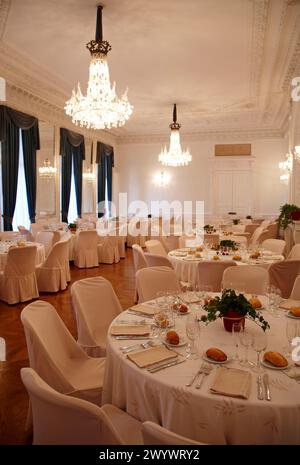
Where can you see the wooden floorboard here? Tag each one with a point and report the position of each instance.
(13, 396)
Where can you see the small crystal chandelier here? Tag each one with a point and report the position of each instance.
(175, 156)
(100, 108)
(88, 176)
(47, 171)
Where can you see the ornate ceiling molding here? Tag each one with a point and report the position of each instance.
(4, 10)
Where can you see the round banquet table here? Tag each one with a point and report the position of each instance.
(163, 398)
(186, 268)
(40, 253)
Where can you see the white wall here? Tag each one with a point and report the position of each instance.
(137, 164)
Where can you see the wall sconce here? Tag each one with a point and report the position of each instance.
(286, 167)
(162, 179)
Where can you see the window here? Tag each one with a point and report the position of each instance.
(72, 213)
(21, 214)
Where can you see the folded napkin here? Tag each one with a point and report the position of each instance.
(178, 254)
(232, 382)
(293, 373)
(148, 357)
(272, 257)
(144, 309)
(127, 330)
(289, 303)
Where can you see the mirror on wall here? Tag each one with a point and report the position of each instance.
(46, 171)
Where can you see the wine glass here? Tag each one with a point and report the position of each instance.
(259, 343)
(291, 333)
(236, 328)
(192, 328)
(245, 340)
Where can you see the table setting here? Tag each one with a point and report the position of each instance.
(6, 245)
(212, 377)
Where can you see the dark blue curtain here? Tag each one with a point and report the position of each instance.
(105, 160)
(10, 123)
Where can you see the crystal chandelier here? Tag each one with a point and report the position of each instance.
(100, 108)
(286, 167)
(88, 175)
(47, 171)
(175, 156)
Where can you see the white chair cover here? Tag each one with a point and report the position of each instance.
(294, 253)
(254, 277)
(95, 305)
(274, 245)
(35, 228)
(52, 275)
(250, 228)
(150, 281)
(170, 242)
(46, 238)
(210, 273)
(255, 239)
(295, 294)
(155, 247)
(18, 281)
(154, 434)
(283, 274)
(86, 249)
(139, 260)
(59, 419)
(57, 358)
(108, 249)
(157, 260)
(122, 240)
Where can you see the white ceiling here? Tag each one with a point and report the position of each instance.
(224, 62)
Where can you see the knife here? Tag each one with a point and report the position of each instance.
(260, 393)
(266, 385)
(162, 367)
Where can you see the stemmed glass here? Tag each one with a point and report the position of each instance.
(245, 340)
(291, 332)
(236, 328)
(259, 343)
(192, 328)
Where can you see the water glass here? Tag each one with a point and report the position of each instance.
(245, 341)
(236, 328)
(291, 333)
(259, 343)
(193, 332)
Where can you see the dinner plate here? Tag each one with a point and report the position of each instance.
(272, 367)
(182, 342)
(210, 360)
(290, 315)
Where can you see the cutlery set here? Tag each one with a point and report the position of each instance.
(263, 387)
(204, 370)
(162, 366)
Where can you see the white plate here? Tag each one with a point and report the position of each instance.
(290, 315)
(182, 342)
(272, 367)
(210, 360)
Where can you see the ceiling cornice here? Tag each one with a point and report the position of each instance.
(4, 10)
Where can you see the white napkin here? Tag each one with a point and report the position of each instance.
(232, 382)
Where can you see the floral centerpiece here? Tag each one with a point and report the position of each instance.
(232, 308)
(72, 227)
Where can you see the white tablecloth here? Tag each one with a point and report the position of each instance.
(198, 414)
(40, 255)
(186, 268)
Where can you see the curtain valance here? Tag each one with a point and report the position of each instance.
(21, 120)
(104, 150)
(69, 138)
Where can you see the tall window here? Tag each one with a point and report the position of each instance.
(21, 214)
(72, 213)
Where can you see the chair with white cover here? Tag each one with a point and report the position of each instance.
(154, 246)
(57, 358)
(95, 305)
(86, 249)
(250, 228)
(151, 280)
(26, 234)
(210, 273)
(121, 233)
(256, 236)
(60, 419)
(294, 253)
(283, 274)
(170, 242)
(35, 228)
(52, 275)
(18, 281)
(254, 278)
(139, 260)
(157, 260)
(295, 294)
(45, 238)
(108, 249)
(154, 434)
(274, 245)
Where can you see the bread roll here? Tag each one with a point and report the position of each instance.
(183, 308)
(255, 302)
(172, 338)
(276, 359)
(216, 354)
(295, 311)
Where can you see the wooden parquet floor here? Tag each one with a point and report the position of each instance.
(13, 396)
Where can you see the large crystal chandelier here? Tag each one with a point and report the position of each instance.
(47, 170)
(174, 156)
(100, 108)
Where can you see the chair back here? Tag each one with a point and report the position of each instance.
(20, 261)
(274, 245)
(95, 305)
(35, 228)
(255, 238)
(295, 294)
(154, 434)
(170, 242)
(254, 278)
(156, 247)
(57, 256)
(283, 274)
(250, 228)
(150, 281)
(294, 253)
(157, 260)
(210, 273)
(138, 257)
(45, 238)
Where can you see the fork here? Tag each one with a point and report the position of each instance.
(205, 370)
(144, 345)
(189, 384)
